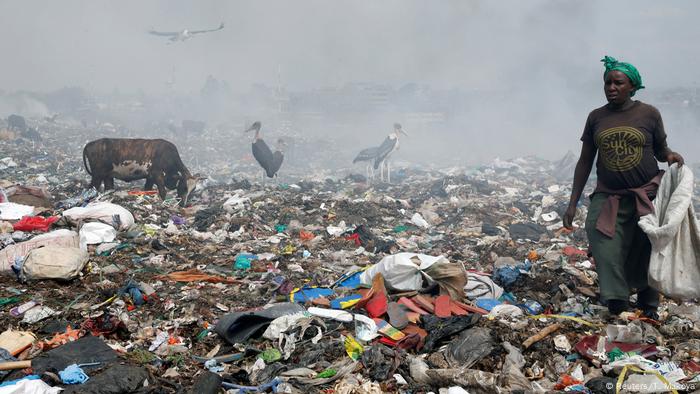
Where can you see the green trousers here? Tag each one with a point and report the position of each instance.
(622, 262)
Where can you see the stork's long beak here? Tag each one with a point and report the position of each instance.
(404, 133)
(251, 128)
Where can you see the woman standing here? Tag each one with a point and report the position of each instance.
(629, 137)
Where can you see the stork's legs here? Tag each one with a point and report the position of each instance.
(369, 173)
(384, 166)
(388, 171)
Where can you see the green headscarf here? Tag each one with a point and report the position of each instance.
(611, 64)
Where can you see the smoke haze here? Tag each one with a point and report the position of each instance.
(469, 80)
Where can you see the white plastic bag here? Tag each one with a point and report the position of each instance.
(674, 232)
(96, 233)
(30, 386)
(102, 211)
(419, 221)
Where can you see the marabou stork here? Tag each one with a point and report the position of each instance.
(367, 155)
(382, 153)
(270, 162)
(184, 34)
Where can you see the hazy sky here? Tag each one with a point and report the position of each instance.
(103, 45)
(542, 56)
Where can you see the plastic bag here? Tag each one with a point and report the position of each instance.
(470, 347)
(380, 363)
(35, 223)
(96, 233)
(439, 329)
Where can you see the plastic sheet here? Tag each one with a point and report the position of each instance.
(439, 329)
(12, 211)
(469, 347)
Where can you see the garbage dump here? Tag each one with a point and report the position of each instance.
(459, 281)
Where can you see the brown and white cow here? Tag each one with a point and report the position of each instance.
(155, 160)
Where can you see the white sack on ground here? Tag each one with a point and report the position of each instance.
(102, 211)
(53, 262)
(61, 237)
(481, 286)
(413, 271)
(674, 268)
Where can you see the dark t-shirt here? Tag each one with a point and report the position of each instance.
(629, 142)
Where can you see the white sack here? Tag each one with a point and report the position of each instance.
(402, 271)
(102, 211)
(12, 211)
(61, 237)
(674, 268)
(96, 233)
(53, 262)
(481, 286)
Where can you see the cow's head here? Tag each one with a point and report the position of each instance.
(185, 187)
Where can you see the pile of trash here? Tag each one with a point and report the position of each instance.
(456, 281)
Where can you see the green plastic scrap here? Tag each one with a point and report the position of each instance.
(270, 355)
(327, 373)
(400, 229)
(202, 334)
(280, 227)
(8, 300)
(615, 354)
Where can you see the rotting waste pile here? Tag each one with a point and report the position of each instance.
(448, 281)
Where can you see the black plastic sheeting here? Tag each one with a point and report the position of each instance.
(439, 329)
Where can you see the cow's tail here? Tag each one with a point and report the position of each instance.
(85, 162)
